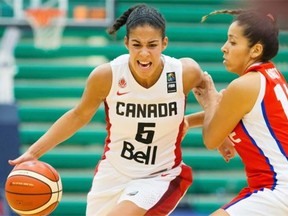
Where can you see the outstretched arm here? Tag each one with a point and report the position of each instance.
(67, 125)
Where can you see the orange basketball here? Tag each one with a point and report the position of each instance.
(33, 188)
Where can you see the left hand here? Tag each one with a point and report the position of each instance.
(227, 150)
(207, 93)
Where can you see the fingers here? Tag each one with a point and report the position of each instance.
(13, 162)
(207, 83)
(228, 157)
(16, 161)
(221, 91)
(226, 153)
(25, 157)
(227, 150)
(196, 91)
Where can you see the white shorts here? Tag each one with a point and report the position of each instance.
(158, 194)
(264, 202)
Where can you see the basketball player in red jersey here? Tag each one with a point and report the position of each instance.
(253, 112)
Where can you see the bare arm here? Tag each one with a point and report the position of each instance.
(192, 74)
(192, 77)
(67, 125)
(223, 113)
(195, 119)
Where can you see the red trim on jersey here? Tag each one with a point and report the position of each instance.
(107, 140)
(108, 126)
(178, 150)
(96, 168)
(173, 195)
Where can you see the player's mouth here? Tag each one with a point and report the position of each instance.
(143, 64)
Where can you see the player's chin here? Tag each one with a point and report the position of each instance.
(228, 66)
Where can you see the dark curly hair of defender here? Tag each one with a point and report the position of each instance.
(258, 27)
(139, 15)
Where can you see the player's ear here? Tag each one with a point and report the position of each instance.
(126, 41)
(256, 51)
(164, 43)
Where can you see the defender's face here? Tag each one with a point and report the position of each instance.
(236, 50)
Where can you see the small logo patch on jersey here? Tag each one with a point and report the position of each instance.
(122, 83)
(121, 93)
(132, 193)
(171, 82)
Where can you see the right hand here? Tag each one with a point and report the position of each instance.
(24, 157)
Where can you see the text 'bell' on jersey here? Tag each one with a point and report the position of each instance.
(261, 137)
(144, 125)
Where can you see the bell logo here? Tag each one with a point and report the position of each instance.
(146, 157)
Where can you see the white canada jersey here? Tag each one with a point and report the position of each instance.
(144, 126)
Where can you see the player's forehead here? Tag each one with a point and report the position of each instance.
(145, 33)
(235, 31)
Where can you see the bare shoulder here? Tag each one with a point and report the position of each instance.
(246, 88)
(101, 71)
(246, 83)
(100, 80)
(192, 74)
(189, 64)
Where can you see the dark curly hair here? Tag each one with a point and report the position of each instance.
(139, 15)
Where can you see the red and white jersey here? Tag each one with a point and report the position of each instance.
(144, 125)
(261, 137)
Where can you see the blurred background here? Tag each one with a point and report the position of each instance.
(48, 48)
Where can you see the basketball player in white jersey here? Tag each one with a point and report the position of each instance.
(253, 112)
(144, 92)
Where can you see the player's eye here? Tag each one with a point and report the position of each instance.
(136, 45)
(153, 45)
